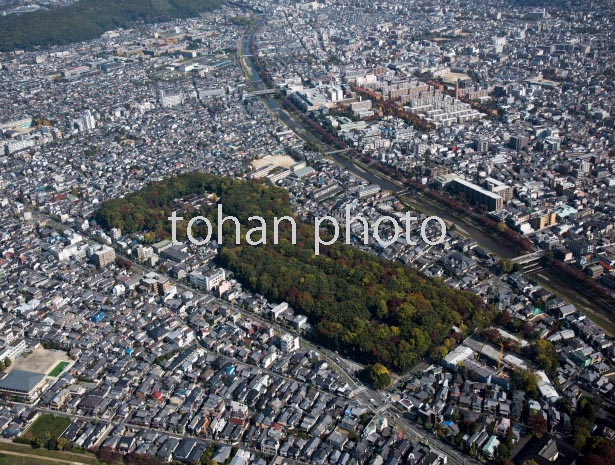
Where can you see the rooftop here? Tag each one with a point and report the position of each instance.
(19, 380)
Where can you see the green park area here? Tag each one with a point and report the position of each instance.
(371, 309)
(47, 426)
(43, 439)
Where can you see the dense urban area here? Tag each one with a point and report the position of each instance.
(119, 345)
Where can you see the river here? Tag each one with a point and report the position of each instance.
(483, 239)
(465, 226)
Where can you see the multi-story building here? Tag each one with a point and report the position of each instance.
(368, 191)
(14, 350)
(289, 343)
(498, 187)
(102, 256)
(155, 282)
(543, 220)
(579, 246)
(476, 194)
(208, 280)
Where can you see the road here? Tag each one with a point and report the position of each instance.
(246, 60)
(331, 358)
(466, 227)
(376, 401)
(165, 432)
(365, 394)
(380, 403)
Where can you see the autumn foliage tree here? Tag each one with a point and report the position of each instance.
(599, 451)
(377, 376)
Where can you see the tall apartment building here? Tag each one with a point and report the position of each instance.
(102, 256)
(498, 187)
(155, 283)
(481, 144)
(543, 220)
(476, 194)
(444, 110)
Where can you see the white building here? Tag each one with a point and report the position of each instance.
(546, 387)
(300, 322)
(278, 310)
(170, 100)
(289, 343)
(19, 144)
(63, 252)
(86, 122)
(13, 351)
(209, 280)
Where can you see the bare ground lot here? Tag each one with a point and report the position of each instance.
(453, 77)
(283, 161)
(40, 361)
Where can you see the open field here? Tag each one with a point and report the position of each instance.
(52, 424)
(58, 369)
(40, 361)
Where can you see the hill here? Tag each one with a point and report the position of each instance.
(372, 309)
(88, 19)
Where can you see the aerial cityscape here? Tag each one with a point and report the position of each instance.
(267, 232)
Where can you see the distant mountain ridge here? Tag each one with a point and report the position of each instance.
(542, 3)
(88, 19)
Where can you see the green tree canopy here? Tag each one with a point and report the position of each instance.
(377, 375)
(88, 19)
(374, 310)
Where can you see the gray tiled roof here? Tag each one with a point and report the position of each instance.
(19, 380)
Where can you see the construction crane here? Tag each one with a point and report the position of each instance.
(501, 355)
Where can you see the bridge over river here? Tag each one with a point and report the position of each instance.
(529, 258)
